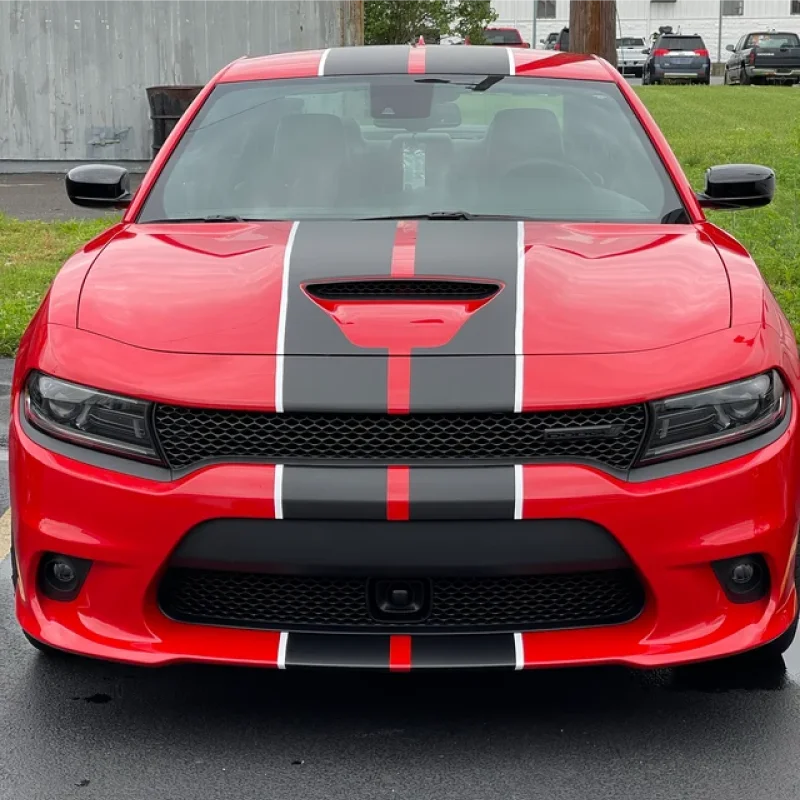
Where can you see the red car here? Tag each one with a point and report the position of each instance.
(409, 357)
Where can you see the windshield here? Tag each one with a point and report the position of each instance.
(404, 145)
(497, 36)
(773, 40)
(629, 41)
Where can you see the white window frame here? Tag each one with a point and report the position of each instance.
(545, 4)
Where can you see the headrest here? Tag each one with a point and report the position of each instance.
(446, 115)
(520, 133)
(310, 136)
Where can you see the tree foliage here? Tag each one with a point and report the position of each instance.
(404, 21)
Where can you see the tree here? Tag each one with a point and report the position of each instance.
(593, 28)
(404, 21)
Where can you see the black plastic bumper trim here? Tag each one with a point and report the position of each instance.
(394, 548)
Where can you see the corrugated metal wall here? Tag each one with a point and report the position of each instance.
(73, 73)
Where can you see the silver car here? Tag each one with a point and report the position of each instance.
(632, 52)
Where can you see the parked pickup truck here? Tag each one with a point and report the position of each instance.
(764, 57)
(504, 37)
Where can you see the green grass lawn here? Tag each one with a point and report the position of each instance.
(708, 125)
(30, 255)
(705, 126)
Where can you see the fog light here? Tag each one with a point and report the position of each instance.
(745, 579)
(743, 573)
(61, 577)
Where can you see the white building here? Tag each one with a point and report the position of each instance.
(643, 17)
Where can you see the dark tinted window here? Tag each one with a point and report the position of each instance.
(399, 145)
(502, 37)
(773, 40)
(630, 41)
(680, 43)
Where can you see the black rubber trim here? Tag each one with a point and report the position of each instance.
(710, 458)
(380, 547)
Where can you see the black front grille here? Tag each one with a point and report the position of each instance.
(402, 289)
(531, 602)
(610, 436)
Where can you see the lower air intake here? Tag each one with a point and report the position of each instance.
(286, 602)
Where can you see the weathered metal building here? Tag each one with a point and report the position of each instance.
(73, 73)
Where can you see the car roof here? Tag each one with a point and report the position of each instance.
(394, 59)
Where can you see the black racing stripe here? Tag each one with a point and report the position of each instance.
(356, 382)
(477, 651)
(337, 650)
(462, 383)
(471, 250)
(334, 492)
(472, 60)
(381, 59)
(461, 493)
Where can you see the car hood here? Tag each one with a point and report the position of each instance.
(249, 288)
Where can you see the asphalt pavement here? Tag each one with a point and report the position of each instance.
(6, 366)
(43, 196)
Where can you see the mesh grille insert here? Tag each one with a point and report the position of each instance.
(609, 436)
(395, 289)
(288, 602)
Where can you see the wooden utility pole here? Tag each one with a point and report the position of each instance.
(593, 28)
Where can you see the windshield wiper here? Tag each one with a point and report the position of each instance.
(445, 216)
(209, 218)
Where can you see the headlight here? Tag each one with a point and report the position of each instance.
(690, 423)
(89, 417)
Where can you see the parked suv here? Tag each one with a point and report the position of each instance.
(678, 58)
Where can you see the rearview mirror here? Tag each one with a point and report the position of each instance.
(99, 186)
(734, 186)
(730, 48)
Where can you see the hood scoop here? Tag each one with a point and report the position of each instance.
(427, 289)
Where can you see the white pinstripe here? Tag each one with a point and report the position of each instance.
(519, 652)
(512, 65)
(283, 641)
(277, 491)
(321, 67)
(281, 343)
(519, 319)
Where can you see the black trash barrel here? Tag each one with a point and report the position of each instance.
(167, 104)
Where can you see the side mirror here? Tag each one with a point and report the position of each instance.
(541, 41)
(735, 186)
(526, 44)
(99, 186)
(730, 48)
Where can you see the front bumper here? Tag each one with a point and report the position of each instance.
(670, 527)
